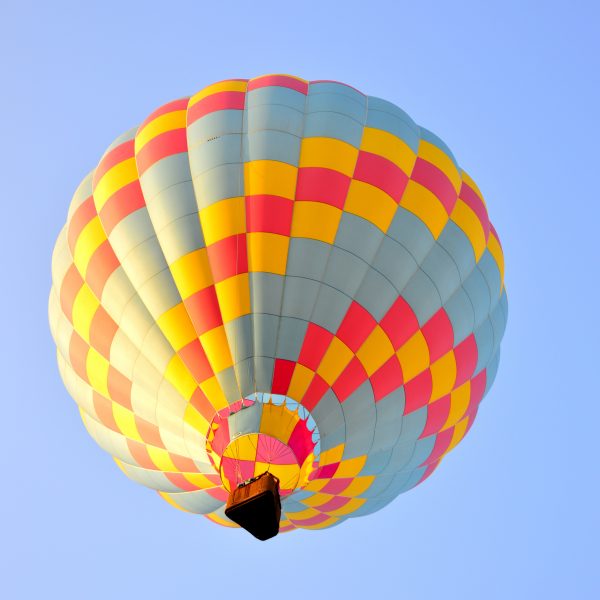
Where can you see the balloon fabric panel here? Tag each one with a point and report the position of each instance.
(283, 275)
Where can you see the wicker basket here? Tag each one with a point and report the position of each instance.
(255, 506)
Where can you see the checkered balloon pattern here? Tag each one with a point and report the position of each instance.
(278, 275)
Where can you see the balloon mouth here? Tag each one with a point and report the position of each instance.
(264, 434)
(254, 454)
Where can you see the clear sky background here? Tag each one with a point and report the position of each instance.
(513, 88)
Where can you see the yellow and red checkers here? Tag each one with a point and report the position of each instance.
(295, 244)
(255, 453)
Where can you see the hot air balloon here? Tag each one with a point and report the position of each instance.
(278, 284)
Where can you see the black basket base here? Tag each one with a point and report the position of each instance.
(256, 507)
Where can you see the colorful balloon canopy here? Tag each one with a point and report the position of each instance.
(278, 275)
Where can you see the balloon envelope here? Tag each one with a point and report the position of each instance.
(278, 275)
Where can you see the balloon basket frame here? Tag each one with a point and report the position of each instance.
(255, 505)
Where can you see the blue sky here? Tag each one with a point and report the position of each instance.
(513, 88)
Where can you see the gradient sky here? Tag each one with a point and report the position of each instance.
(513, 89)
